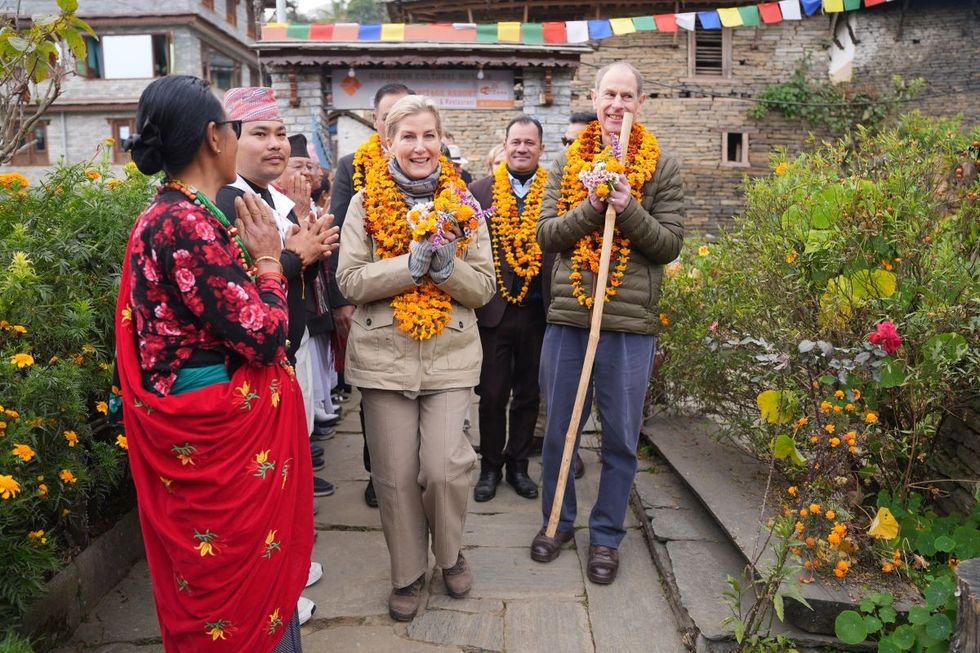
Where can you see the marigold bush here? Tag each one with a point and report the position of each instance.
(61, 244)
(836, 325)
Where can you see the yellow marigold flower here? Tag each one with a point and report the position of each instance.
(807, 565)
(781, 168)
(791, 256)
(37, 537)
(798, 527)
(42, 489)
(840, 529)
(3, 425)
(102, 407)
(22, 360)
(829, 428)
(18, 328)
(834, 442)
(13, 180)
(840, 570)
(23, 451)
(825, 405)
(888, 567)
(804, 512)
(121, 442)
(664, 320)
(791, 490)
(837, 409)
(10, 412)
(848, 407)
(802, 421)
(814, 439)
(704, 250)
(109, 140)
(834, 539)
(830, 514)
(871, 417)
(93, 174)
(815, 508)
(856, 393)
(839, 394)
(852, 449)
(88, 349)
(8, 487)
(72, 438)
(67, 476)
(114, 183)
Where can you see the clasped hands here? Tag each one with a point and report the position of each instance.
(432, 257)
(314, 238)
(618, 198)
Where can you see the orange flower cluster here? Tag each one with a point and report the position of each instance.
(642, 155)
(515, 237)
(424, 311)
(13, 181)
(368, 154)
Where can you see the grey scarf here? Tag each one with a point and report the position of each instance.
(416, 190)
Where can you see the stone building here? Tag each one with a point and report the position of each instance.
(139, 40)
(699, 84)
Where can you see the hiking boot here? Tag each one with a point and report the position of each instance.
(403, 602)
(458, 578)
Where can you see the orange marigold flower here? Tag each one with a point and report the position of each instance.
(121, 442)
(23, 451)
(67, 476)
(834, 442)
(871, 417)
(829, 428)
(22, 360)
(815, 508)
(804, 512)
(810, 541)
(830, 514)
(72, 438)
(802, 421)
(839, 394)
(93, 174)
(814, 439)
(102, 407)
(825, 405)
(791, 256)
(888, 567)
(37, 538)
(9, 487)
(856, 393)
(791, 490)
(664, 320)
(834, 539)
(781, 168)
(849, 407)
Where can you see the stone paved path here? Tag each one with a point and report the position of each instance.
(516, 605)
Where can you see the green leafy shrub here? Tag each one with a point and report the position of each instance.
(61, 465)
(837, 323)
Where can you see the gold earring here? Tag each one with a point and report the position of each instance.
(219, 151)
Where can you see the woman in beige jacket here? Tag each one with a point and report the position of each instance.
(414, 349)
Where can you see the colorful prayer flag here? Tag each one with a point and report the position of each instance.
(644, 24)
(345, 31)
(369, 33)
(554, 32)
(622, 26)
(532, 33)
(730, 17)
(666, 22)
(273, 31)
(318, 32)
(833, 6)
(298, 32)
(486, 33)
(851, 5)
(600, 29)
(686, 20)
(393, 31)
(749, 15)
(770, 12)
(709, 19)
(509, 32)
(578, 31)
(810, 7)
(790, 9)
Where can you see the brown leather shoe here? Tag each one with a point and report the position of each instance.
(546, 549)
(403, 602)
(458, 578)
(603, 564)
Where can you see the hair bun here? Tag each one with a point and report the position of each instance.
(146, 149)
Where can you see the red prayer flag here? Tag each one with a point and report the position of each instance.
(770, 12)
(555, 33)
(321, 31)
(872, 3)
(666, 22)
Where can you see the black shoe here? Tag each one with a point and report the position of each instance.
(326, 423)
(318, 464)
(323, 433)
(579, 466)
(486, 487)
(522, 484)
(370, 497)
(322, 487)
(316, 450)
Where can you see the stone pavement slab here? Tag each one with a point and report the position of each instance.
(349, 638)
(547, 626)
(509, 573)
(481, 630)
(127, 613)
(356, 578)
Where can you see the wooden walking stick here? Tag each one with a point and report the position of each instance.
(597, 306)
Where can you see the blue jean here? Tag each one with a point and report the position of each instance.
(619, 381)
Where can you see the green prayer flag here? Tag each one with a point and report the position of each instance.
(750, 15)
(532, 33)
(486, 33)
(851, 5)
(298, 32)
(644, 24)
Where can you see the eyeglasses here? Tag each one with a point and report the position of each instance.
(236, 126)
(567, 141)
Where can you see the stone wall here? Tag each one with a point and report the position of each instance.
(956, 456)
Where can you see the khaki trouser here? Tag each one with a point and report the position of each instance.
(420, 463)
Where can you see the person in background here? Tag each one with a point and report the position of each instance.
(455, 155)
(512, 323)
(349, 180)
(577, 122)
(213, 414)
(495, 156)
(414, 351)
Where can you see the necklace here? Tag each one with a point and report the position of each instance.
(515, 235)
(200, 199)
(364, 158)
(642, 155)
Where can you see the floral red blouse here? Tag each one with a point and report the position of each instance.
(190, 294)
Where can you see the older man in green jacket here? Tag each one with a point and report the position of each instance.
(648, 200)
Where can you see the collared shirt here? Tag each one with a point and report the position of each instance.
(520, 189)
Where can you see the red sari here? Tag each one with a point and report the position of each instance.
(223, 479)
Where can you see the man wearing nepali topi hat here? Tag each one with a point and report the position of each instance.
(263, 151)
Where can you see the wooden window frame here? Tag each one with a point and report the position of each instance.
(208, 4)
(206, 74)
(250, 19)
(231, 12)
(726, 56)
(744, 161)
(119, 156)
(31, 156)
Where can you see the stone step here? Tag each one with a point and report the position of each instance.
(694, 557)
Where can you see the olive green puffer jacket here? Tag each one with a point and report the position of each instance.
(655, 229)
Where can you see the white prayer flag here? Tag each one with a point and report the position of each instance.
(790, 9)
(578, 31)
(686, 20)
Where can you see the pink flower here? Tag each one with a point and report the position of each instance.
(886, 336)
(251, 317)
(185, 279)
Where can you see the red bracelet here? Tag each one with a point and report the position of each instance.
(278, 276)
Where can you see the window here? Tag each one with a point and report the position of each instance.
(221, 70)
(710, 53)
(130, 56)
(231, 12)
(122, 128)
(208, 4)
(33, 149)
(250, 18)
(735, 149)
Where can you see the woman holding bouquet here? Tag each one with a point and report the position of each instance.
(416, 261)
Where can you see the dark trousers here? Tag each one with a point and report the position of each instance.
(511, 356)
(619, 381)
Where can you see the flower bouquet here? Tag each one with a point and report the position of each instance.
(600, 178)
(451, 208)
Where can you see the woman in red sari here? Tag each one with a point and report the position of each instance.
(212, 411)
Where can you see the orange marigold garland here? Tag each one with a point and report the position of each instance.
(424, 311)
(369, 153)
(642, 155)
(515, 236)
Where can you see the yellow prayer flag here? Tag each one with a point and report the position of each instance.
(730, 17)
(833, 6)
(393, 31)
(622, 26)
(510, 31)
